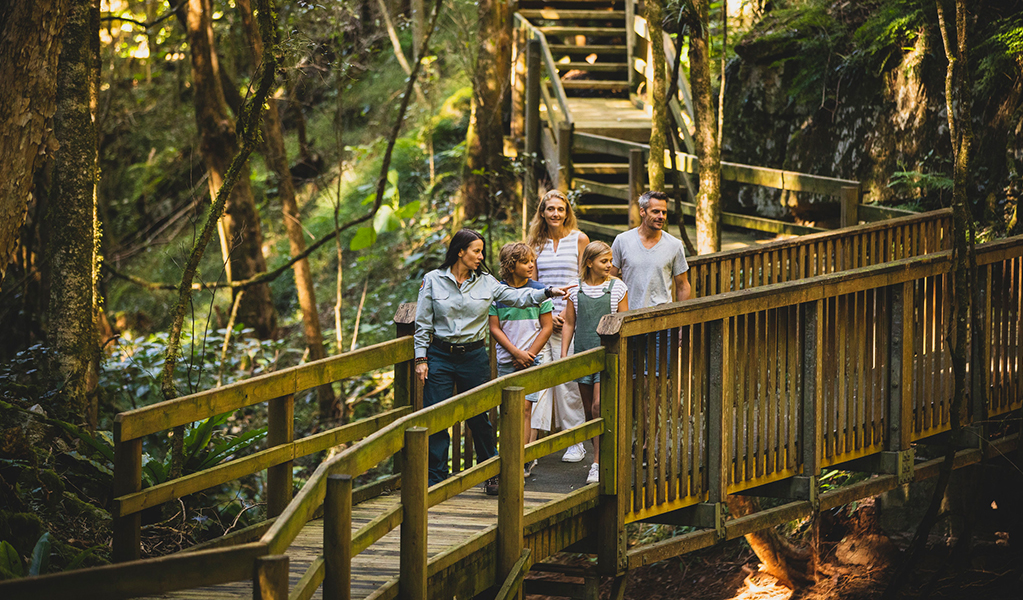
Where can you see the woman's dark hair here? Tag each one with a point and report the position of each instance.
(460, 241)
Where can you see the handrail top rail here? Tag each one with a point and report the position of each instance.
(810, 238)
(775, 295)
(559, 89)
(389, 438)
(132, 424)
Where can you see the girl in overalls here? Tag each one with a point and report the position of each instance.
(598, 294)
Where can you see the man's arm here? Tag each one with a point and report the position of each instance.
(682, 288)
(615, 272)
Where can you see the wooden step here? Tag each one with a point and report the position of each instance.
(600, 168)
(585, 66)
(594, 84)
(588, 49)
(557, 14)
(561, 30)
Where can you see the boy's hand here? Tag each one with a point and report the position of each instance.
(522, 359)
(558, 322)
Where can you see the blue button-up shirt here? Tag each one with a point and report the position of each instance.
(458, 314)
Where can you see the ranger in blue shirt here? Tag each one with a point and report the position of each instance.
(451, 323)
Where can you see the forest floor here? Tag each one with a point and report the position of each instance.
(858, 566)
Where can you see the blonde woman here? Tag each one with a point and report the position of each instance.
(558, 245)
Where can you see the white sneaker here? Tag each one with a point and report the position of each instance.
(574, 454)
(594, 475)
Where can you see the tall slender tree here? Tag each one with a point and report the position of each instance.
(654, 13)
(72, 212)
(708, 199)
(241, 236)
(30, 43)
(276, 157)
(484, 177)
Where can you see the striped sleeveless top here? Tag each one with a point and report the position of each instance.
(561, 268)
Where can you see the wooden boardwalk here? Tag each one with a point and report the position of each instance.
(450, 523)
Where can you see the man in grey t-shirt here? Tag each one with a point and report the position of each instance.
(650, 260)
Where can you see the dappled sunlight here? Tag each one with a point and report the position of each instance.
(759, 585)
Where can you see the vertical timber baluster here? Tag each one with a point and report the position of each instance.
(811, 443)
(717, 427)
(280, 430)
(127, 480)
(337, 538)
(614, 454)
(564, 157)
(900, 384)
(270, 580)
(414, 506)
(510, 494)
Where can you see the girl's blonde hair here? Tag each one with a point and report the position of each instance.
(511, 254)
(592, 251)
(539, 232)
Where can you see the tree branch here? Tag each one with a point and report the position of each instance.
(141, 24)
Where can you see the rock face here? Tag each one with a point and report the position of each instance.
(799, 103)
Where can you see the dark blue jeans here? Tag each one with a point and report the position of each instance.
(468, 371)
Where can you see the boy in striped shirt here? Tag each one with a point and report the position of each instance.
(520, 333)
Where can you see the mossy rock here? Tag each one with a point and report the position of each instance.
(21, 530)
(74, 506)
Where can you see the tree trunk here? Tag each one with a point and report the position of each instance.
(958, 104)
(29, 48)
(484, 176)
(708, 199)
(657, 94)
(277, 159)
(73, 236)
(790, 565)
(241, 234)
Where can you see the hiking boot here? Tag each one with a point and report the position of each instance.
(574, 454)
(490, 487)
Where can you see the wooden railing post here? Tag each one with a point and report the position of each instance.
(813, 386)
(510, 493)
(280, 430)
(611, 541)
(719, 457)
(850, 202)
(127, 534)
(637, 174)
(565, 130)
(270, 580)
(406, 388)
(414, 506)
(529, 193)
(899, 456)
(337, 538)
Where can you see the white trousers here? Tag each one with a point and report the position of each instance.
(568, 404)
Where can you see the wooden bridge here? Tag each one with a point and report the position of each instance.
(580, 101)
(826, 350)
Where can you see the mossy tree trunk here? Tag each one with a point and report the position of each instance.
(71, 331)
(277, 159)
(30, 42)
(657, 93)
(240, 229)
(958, 104)
(484, 177)
(708, 199)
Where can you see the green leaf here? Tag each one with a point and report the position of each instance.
(385, 221)
(9, 559)
(410, 209)
(392, 177)
(79, 558)
(364, 238)
(369, 199)
(40, 556)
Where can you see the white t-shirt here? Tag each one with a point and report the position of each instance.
(596, 291)
(649, 272)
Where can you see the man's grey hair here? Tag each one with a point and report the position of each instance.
(644, 200)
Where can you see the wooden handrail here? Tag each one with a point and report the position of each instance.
(550, 66)
(203, 405)
(253, 463)
(388, 441)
